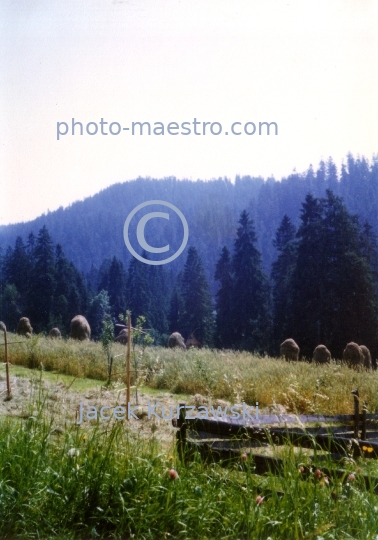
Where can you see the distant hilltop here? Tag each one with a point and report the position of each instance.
(92, 230)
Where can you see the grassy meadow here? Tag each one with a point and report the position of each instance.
(102, 480)
(300, 387)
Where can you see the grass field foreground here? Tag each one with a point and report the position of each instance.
(105, 482)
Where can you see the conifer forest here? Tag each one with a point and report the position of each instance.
(266, 260)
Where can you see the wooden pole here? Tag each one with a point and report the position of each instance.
(4, 329)
(363, 431)
(182, 433)
(356, 412)
(128, 353)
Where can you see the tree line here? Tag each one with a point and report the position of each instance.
(212, 210)
(322, 288)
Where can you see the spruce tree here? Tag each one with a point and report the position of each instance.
(17, 269)
(369, 248)
(333, 295)
(224, 337)
(42, 283)
(159, 305)
(282, 270)
(350, 309)
(176, 306)
(138, 293)
(11, 306)
(70, 295)
(61, 311)
(116, 287)
(197, 315)
(251, 316)
(307, 287)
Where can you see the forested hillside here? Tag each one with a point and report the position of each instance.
(265, 261)
(92, 230)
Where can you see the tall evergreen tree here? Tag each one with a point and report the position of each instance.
(282, 270)
(159, 305)
(333, 297)
(197, 315)
(369, 248)
(11, 306)
(176, 307)
(17, 268)
(30, 247)
(224, 337)
(43, 282)
(61, 311)
(331, 176)
(93, 279)
(307, 285)
(138, 291)
(70, 294)
(251, 309)
(116, 287)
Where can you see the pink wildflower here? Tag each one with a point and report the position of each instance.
(173, 475)
(259, 499)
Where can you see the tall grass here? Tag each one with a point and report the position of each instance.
(105, 482)
(238, 376)
(235, 376)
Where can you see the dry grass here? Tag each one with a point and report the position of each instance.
(84, 359)
(299, 386)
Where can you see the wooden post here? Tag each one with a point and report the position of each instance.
(181, 434)
(363, 431)
(4, 329)
(128, 353)
(356, 412)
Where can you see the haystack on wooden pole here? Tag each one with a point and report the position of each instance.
(128, 353)
(4, 329)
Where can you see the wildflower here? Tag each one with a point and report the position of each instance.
(351, 477)
(301, 469)
(318, 473)
(73, 452)
(244, 457)
(259, 499)
(173, 475)
(367, 449)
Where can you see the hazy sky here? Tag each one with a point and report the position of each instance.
(310, 66)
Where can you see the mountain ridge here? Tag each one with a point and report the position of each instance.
(91, 230)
